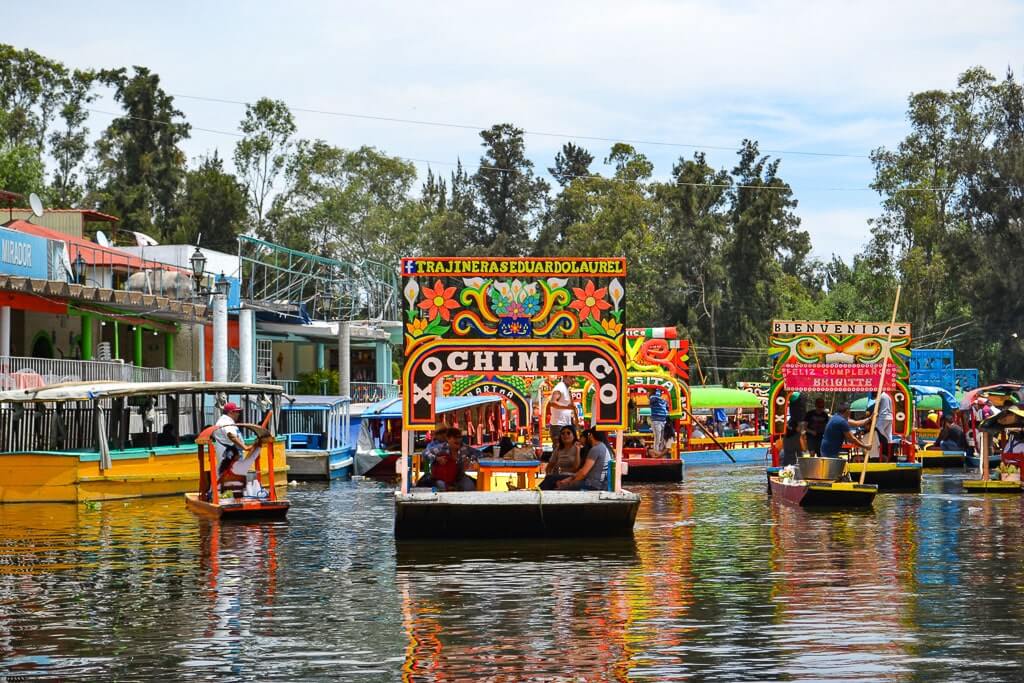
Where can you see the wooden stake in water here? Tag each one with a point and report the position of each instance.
(881, 383)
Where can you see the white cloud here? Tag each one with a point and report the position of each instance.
(842, 232)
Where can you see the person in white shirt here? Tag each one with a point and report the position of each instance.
(561, 411)
(234, 463)
(226, 436)
(883, 428)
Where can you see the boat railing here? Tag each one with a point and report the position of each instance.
(17, 372)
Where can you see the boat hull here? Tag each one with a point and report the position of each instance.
(515, 514)
(704, 458)
(974, 461)
(244, 509)
(654, 470)
(70, 477)
(941, 459)
(825, 495)
(889, 477)
(313, 465)
(989, 486)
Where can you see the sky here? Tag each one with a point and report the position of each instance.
(820, 85)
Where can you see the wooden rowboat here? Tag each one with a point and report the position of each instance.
(823, 494)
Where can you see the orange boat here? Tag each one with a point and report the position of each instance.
(209, 501)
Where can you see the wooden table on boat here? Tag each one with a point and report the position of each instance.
(526, 471)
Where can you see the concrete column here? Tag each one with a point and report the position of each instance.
(246, 347)
(86, 336)
(138, 346)
(200, 331)
(117, 341)
(319, 356)
(169, 350)
(5, 331)
(220, 338)
(344, 359)
(379, 358)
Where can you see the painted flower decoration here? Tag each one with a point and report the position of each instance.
(616, 291)
(515, 300)
(417, 327)
(589, 301)
(411, 291)
(438, 301)
(611, 326)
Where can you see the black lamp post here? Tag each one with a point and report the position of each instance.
(79, 269)
(223, 286)
(198, 262)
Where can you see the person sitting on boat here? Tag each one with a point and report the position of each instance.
(746, 429)
(438, 443)
(1014, 446)
(593, 473)
(931, 420)
(659, 416)
(839, 430)
(951, 437)
(448, 468)
(565, 459)
(167, 436)
(226, 438)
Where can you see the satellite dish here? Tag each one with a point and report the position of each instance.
(144, 240)
(37, 205)
(102, 239)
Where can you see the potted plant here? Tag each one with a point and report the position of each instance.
(1009, 472)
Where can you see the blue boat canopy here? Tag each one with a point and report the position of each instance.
(391, 408)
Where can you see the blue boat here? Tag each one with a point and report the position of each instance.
(378, 444)
(741, 456)
(318, 442)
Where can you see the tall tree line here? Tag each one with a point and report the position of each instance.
(718, 252)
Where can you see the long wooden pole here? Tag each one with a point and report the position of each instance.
(881, 383)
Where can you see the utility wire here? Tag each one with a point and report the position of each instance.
(537, 133)
(785, 187)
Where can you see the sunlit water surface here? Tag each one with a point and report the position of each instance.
(719, 583)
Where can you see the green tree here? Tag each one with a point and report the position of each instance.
(696, 226)
(450, 212)
(21, 170)
(213, 209)
(69, 144)
(765, 245)
(511, 197)
(140, 167)
(30, 87)
(572, 164)
(347, 204)
(262, 155)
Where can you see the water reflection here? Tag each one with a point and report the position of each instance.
(719, 584)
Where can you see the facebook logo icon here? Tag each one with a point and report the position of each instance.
(410, 267)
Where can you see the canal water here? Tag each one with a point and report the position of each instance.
(719, 583)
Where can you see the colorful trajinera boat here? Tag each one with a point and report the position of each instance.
(820, 482)
(514, 318)
(1007, 478)
(87, 441)
(828, 356)
(251, 500)
(731, 446)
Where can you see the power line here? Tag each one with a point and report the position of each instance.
(536, 133)
(785, 187)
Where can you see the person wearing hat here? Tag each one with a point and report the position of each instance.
(659, 416)
(226, 439)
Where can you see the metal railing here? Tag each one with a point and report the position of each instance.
(29, 373)
(362, 392)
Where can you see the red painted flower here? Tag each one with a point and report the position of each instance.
(590, 301)
(438, 301)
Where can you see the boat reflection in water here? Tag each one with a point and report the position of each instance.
(718, 583)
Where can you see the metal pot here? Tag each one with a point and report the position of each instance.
(820, 469)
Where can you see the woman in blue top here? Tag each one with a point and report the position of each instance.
(838, 431)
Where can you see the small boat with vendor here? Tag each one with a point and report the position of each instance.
(88, 441)
(230, 485)
(317, 437)
(1006, 426)
(512, 318)
(820, 482)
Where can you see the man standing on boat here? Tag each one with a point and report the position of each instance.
(659, 416)
(839, 430)
(816, 421)
(883, 428)
(561, 411)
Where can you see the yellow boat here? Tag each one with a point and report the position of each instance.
(86, 441)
